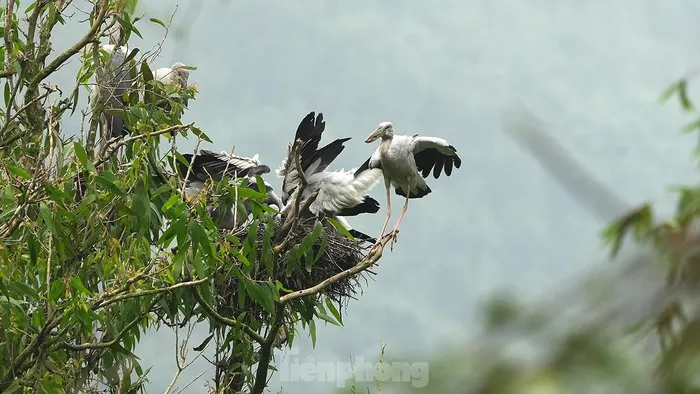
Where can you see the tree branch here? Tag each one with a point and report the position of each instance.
(107, 344)
(226, 321)
(9, 12)
(290, 228)
(16, 114)
(143, 293)
(110, 147)
(265, 352)
(89, 37)
(374, 255)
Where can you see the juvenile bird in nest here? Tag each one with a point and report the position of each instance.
(209, 165)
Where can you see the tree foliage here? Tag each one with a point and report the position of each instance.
(99, 244)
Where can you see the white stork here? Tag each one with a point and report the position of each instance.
(212, 165)
(403, 159)
(340, 193)
(177, 73)
(117, 84)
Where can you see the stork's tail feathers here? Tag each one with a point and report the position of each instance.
(368, 205)
(259, 170)
(362, 236)
(420, 193)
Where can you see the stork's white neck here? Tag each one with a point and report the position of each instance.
(385, 144)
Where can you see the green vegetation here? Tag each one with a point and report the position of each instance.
(99, 244)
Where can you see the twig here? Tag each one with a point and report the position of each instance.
(143, 293)
(189, 168)
(290, 228)
(88, 38)
(117, 338)
(110, 147)
(16, 114)
(190, 382)
(290, 224)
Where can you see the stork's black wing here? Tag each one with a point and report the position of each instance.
(436, 154)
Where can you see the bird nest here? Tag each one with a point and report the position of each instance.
(340, 253)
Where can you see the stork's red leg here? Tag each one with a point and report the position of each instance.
(387, 184)
(396, 227)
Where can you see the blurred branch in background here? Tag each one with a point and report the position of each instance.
(595, 334)
(531, 133)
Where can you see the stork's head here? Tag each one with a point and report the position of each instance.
(385, 130)
(182, 73)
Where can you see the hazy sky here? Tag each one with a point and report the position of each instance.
(592, 70)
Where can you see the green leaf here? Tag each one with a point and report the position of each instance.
(333, 310)
(22, 290)
(247, 192)
(312, 332)
(179, 259)
(308, 242)
(199, 237)
(18, 171)
(322, 248)
(48, 218)
(171, 201)
(327, 318)
(240, 257)
(82, 157)
(121, 208)
(692, 126)
(157, 21)
(33, 248)
(106, 183)
(7, 212)
(203, 344)
(670, 91)
(197, 262)
(14, 386)
(57, 288)
(56, 194)
(200, 134)
(639, 221)
(132, 55)
(146, 72)
(77, 284)
(686, 104)
(340, 227)
(260, 295)
(7, 93)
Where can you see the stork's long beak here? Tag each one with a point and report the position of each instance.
(375, 134)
